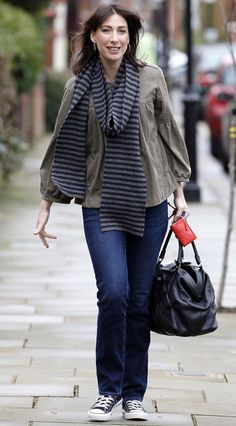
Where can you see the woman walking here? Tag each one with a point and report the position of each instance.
(117, 151)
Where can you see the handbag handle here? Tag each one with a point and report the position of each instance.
(180, 251)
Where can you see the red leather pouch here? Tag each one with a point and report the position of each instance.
(183, 232)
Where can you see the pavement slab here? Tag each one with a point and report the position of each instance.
(30, 319)
(19, 308)
(64, 417)
(214, 421)
(43, 389)
(6, 378)
(13, 362)
(177, 394)
(184, 407)
(16, 402)
(8, 423)
(186, 376)
(157, 420)
(11, 343)
(231, 378)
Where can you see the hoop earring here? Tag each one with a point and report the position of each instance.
(128, 48)
(94, 47)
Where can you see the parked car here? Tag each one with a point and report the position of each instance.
(207, 59)
(216, 105)
(225, 122)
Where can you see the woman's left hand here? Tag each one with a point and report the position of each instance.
(182, 209)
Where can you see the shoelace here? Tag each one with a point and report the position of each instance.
(103, 401)
(134, 405)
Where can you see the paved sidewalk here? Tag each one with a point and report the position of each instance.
(48, 318)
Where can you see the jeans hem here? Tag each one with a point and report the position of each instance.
(136, 398)
(111, 394)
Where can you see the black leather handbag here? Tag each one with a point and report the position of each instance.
(182, 299)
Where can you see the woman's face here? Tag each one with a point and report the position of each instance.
(112, 38)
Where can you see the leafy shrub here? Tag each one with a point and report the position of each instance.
(29, 5)
(21, 42)
(11, 151)
(11, 147)
(54, 88)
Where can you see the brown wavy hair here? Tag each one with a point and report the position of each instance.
(83, 51)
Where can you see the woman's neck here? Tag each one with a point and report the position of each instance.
(110, 70)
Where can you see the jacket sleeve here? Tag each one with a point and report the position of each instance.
(170, 134)
(48, 189)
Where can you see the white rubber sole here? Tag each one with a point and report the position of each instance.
(97, 417)
(135, 416)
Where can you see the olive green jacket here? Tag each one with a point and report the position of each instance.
(163, 151)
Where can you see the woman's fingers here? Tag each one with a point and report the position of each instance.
(53, 237)
(43, 235)
(41, 230)
(181, 212)
(185, 214)
(43, 216)
(44, 241)
(38, 229)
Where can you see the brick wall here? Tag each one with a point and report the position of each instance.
(32, 113)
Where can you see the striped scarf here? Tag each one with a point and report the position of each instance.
(124, 185)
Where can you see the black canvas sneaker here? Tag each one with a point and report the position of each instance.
(133, 410)
(102, 409)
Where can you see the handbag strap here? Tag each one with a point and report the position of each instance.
(196, 254)
(163, 251)
(180, 251)
(192, 284)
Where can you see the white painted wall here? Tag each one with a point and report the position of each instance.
(59, 54)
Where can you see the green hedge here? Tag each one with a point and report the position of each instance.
(21, 42)
(32, 6)
(54, 88)
(21, 60)
(11, 147)
(11, 152)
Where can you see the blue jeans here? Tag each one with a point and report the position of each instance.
(124, 267)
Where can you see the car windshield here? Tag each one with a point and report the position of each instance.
(229, 76)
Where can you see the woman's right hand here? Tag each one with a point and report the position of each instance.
(43, 216)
